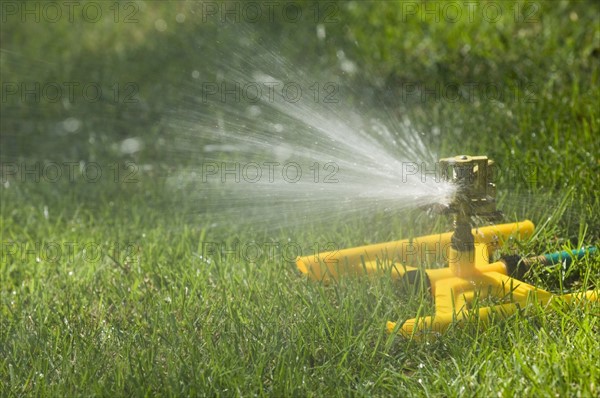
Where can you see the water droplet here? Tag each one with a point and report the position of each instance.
(321, 32)
(253, 111)
(71, 124)
(348, 66)
(131, 145)
(160, 25)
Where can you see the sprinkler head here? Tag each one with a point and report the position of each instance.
(473, 177)
(475, 195)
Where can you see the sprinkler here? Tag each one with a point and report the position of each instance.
(473, 287)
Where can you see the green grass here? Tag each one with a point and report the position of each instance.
(149, 313)
(155, 318)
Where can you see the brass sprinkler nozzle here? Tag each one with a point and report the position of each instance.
(475, 194)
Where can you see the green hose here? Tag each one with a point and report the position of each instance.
(518, 266)
(567, 256)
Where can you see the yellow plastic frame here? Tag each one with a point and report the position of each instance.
(469, 276)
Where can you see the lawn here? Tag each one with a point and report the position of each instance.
(115, 282)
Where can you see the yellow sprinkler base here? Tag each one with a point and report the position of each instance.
(460, 291)
(459, 300)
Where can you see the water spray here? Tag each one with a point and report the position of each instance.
(473, 287)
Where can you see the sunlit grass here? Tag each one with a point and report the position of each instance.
(152, 313)
(109, 289)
